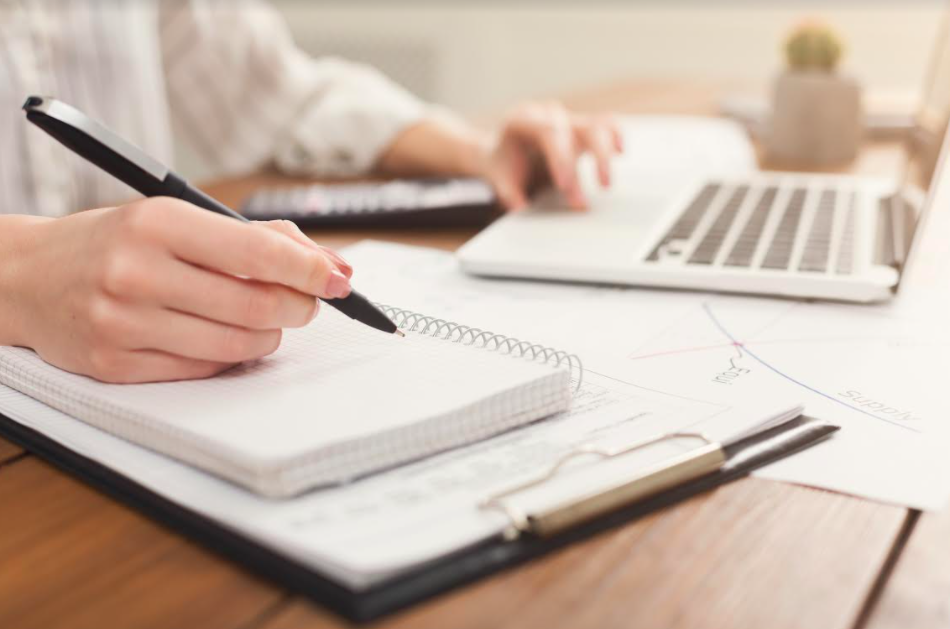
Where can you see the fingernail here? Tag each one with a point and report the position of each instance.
(338, 285)
(345, 267)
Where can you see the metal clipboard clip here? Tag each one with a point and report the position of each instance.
(648, 481)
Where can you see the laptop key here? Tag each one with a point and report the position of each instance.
(708, 247)
(846, 251)
(747, 243)
(686, 224)
(818, 246)
(783, 242)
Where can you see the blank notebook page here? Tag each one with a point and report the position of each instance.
(336, 401)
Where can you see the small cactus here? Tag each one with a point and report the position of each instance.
(813, 46)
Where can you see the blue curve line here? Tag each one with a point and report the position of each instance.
(762, 362)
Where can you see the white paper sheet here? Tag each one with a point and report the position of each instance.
(673, 148)
(363, 532)
(302, 417)
(878, 371)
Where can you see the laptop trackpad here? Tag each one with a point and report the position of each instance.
(614, 230)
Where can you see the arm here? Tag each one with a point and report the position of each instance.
(249, 97)
(18, 235)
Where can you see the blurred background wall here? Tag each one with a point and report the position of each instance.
(480, 55)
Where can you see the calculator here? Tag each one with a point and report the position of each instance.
(460, 202)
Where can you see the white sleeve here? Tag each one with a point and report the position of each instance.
(247, 96)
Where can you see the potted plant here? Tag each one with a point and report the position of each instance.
(816, 110)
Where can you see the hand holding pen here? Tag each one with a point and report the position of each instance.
(162, 290)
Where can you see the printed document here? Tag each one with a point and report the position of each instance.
(431, 506)
(877, 371)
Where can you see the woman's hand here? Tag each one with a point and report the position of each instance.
(534, 142)
(545, 140)
(161, 290)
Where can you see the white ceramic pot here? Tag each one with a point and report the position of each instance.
(816, 118)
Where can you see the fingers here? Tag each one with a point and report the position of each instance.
(289, 228)
(241, 249)
(617, 136)
(555, 136)
(558, 137)
(509, 173)
(511, 195)
(224, 298)
(144, 328)
(597, 139)
(551, 128)
(127, 367)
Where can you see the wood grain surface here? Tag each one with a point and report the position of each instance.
(917, 595)
(752, 554)
(70, 557)
(8, 450)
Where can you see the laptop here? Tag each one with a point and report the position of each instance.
(803, 235)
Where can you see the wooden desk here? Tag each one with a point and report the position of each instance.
(752, 554)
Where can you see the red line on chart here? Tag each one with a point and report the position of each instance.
(716, 322)
(686, 350)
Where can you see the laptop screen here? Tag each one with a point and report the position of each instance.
(932, 116)
(924, 147)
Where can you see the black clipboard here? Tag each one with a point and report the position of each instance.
(422, 583)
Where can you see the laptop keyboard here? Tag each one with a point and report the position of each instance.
(686, 224)
(706, 252)
(768, 227)
(779, 253)
(818, 247)
(748, 241)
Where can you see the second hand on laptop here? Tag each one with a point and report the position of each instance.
(98, 145)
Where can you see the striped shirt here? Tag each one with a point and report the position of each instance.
(223, 74)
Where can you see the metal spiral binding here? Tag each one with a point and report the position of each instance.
(467, 335)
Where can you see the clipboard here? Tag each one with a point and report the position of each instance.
(529, 535)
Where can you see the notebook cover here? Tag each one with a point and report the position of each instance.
(445, 574)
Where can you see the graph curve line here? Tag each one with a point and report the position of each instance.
(722, 329)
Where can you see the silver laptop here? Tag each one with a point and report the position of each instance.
(818, 236)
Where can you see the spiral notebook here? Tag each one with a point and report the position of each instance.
(337, 401)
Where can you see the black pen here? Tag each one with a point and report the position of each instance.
(93, 142)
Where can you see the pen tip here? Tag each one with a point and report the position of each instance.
(400, 333)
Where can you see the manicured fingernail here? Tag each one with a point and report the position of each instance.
(345, 267)
(338, 285)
